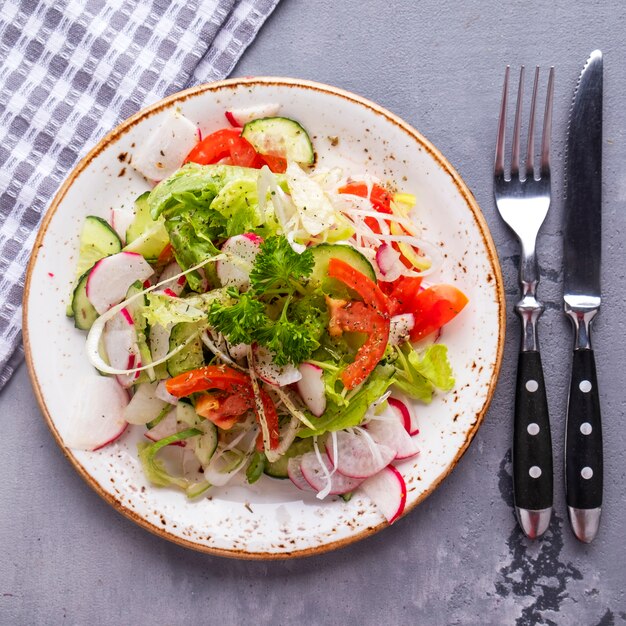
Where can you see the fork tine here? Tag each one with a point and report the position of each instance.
(530, 152)
(499, 164)
(517, 126)
(547, 126)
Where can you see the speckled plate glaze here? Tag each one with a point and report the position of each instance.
(271, 519)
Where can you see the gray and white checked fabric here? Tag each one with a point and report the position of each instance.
(72, 70)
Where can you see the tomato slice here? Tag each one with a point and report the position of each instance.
(224, 378)
(223, 409)
(364, 286)
(204, 378)
(353, 317)
(277, 164)
(358, 317)
(271, 418)
(369, 354)
(226, 142)
(403, 293)
(435, 307)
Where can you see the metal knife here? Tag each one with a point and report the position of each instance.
(581, 295)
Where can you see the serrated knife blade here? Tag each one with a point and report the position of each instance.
(582, 296)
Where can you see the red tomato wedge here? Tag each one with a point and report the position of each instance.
(224, 378)
(402, 294)
(223, 409)
(379, 196)
(223, 143)
(370, 353)
(364, 286)
(435, 307)
(277, 164)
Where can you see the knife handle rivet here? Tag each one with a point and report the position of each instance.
(533, 429)
(532, 385)
(585, 428)
(535, 471)
(585, 386)
(586, 473)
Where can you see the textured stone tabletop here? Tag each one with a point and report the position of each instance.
(459, 558)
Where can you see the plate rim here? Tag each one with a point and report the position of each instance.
(155, 108)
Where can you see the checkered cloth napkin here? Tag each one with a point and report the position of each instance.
(70, 70)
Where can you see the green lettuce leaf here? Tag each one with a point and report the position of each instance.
(165, 310)
(352, 412)
(195, 226)
(154, 469)
(418, 375)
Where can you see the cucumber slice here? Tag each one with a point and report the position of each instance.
(97, 240)
(191, 356)
(205, 445)
(83, 311)
(280, 136)
(323, 252)
(278, 469)
(146, 236)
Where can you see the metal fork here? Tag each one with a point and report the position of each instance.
(523, 199)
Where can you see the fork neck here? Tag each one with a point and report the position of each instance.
(528, 307)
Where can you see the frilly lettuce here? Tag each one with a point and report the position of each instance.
(418, 375)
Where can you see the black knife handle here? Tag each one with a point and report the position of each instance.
(532, 443)
(583, 443)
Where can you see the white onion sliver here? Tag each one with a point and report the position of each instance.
(327, 476)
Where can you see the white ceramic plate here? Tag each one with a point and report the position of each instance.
(271, 519)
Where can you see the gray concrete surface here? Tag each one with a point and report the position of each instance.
(68, 558)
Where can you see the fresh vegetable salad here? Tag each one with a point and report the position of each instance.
(262, 314)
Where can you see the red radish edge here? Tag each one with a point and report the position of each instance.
(114, 438)
(404, 412)
(231, 119)
(311, 388)
(409, 421)
(386, 257)
(403, 493)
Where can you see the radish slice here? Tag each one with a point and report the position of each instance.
(358, 455)
(390, 431)
(311, 388)
(271, 373)
(295, 474)
(121, 219)
(400, 327)
(99, 415)
(110, 278)
(175, 285)
(237, 351)
(315, 475)
(387, 490)
(120, 344)
(242, 250)
(240, 117)
(165, 150)
(162, 393)
(144, 406)
(408, 417)
(387, 258)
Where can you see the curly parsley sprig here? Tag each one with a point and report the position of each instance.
(279, 269)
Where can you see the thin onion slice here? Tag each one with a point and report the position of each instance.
(271, 457)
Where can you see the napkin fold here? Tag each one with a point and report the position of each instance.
(70, 71)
